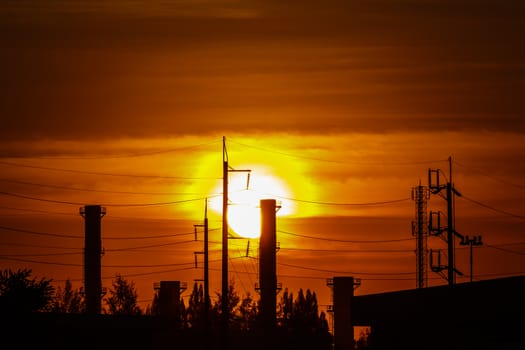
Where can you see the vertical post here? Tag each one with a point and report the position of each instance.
(470, 243)
(225, 282)
(92, 253)
(206, 309)
(474, 241)
(450, 227)
(450, 235)
(206, 274)
(267, 266)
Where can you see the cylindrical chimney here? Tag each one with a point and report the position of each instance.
(267, 265)
(92, 254)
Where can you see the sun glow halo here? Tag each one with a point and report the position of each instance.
(244, 217)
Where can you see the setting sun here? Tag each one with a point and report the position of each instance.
(244, 198)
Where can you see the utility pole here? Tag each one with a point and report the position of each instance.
(206, 268)
(450, 236)
(206, 271)
(450, 227)
(474, 241)
(225, 282)
(224, 300)
(436, 188)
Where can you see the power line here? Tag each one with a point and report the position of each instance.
(381, 278)
(127, 275)
(346, 272)
(505, 250)
(105, 174)
(107, 204)
(69, 188)
(148, 237)
(151, 273)
(492, 208)
(350, 250)
(346, 241)
(502, 274)
(490, 176)
(42, 254)
(40, 199)
(336, 161)
(146, 265)
(159, 265)
(149, 246)
(163, 251)
(339, 203)
(243, 261)
(234, 270)
(40, 233)
(496, 246)
(127, 155)
(159, 272)
(105, 237)
(506, 244)
(76, 214)
(12, 244)
(286, 154)
(347, 204)
(3, 257)
(7, 257)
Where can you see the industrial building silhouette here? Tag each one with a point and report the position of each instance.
(486, 314)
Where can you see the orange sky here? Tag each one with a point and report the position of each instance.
(125, 104)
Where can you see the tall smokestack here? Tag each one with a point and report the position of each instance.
(92, 253)
(267, 265)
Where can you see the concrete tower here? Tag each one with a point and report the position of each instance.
(267, 265)
(343, 326)
(92, 253)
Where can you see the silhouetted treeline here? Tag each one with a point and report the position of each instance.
(44, 316)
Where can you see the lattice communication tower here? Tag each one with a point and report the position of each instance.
(420, 195)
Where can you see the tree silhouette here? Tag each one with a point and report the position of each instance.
(242, 312)
(195, 312)
(233, 301)
(19, 293)
(285, 309)
(247, 312)
(68, 300)
(301, 321)
(302, 314)
(363, 340)
(154, 308)
(123, 298)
